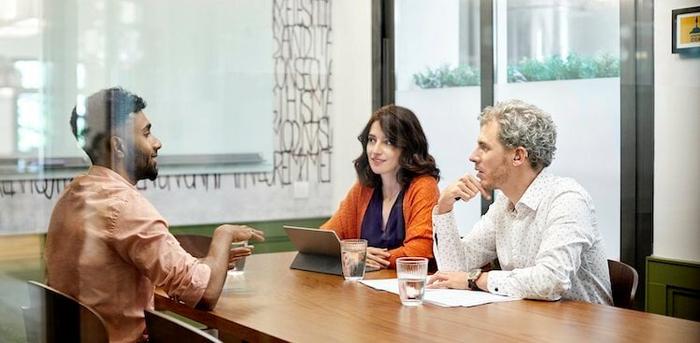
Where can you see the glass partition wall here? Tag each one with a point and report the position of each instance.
(437, 59)
(206, 71)
(563, 56)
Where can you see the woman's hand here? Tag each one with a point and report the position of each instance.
(378, 257)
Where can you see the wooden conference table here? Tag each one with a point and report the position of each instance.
(274, 303)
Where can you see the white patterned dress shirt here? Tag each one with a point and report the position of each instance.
(548, 244)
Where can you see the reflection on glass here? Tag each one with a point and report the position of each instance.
(30, 123)
(31, 74)
(193, 61)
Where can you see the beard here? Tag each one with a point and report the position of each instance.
(148, 172)
(144, 167)
(497, 177)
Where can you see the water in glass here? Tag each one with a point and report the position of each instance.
(239, 264)
(411, 291)
(354, 258)
(412, 273)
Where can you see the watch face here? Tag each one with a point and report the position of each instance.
(473, 274)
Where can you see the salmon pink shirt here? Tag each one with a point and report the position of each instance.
(109, 247)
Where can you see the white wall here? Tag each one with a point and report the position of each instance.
(676, 138)
(352, 88)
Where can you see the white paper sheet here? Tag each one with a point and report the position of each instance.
(442, 297)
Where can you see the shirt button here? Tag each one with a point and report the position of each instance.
(495, 289)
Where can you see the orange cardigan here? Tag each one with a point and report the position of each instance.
(418, 202)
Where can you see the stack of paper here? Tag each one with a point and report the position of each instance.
(442, 297)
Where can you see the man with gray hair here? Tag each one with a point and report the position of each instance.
(541, 227)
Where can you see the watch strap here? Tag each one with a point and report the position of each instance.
(472, 276)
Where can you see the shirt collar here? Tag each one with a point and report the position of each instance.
(535, 192)
(110, 174)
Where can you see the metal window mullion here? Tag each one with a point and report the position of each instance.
(486, 66)
(636, 137)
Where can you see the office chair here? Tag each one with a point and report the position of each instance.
(57, 317)
(162, 328)
(196, 245)
(623, 282)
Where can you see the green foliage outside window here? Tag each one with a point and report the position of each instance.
(527, 70)
(444, 76)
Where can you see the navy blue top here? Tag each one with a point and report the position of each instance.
(393, 235)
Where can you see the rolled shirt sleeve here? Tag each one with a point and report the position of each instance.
(143, 239)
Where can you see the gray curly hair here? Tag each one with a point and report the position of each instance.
(525, 125)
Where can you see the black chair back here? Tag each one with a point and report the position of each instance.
(196, 245)
(165, 329)
(57, 317)
(623, 281)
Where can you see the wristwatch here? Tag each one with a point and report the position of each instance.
(472, 276)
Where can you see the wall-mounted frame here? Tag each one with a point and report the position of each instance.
(685, 30)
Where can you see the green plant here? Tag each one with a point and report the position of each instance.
(557, 68)
(444, 76)
(527, 70)
(608, 66)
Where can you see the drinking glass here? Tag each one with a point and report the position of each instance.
(239, 264)
(354, 258)
(412, 273)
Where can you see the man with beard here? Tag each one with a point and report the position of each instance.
(541, 227)
(107, 245)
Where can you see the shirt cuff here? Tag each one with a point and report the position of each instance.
(443, 222)
(200, 281)
(497, 282)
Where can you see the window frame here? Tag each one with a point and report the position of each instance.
(636, 113)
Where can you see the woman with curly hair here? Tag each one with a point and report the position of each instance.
(391, 203)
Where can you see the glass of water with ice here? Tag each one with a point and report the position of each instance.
(354, 257)
(411, 272)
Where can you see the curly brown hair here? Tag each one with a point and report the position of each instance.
(402, 128)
